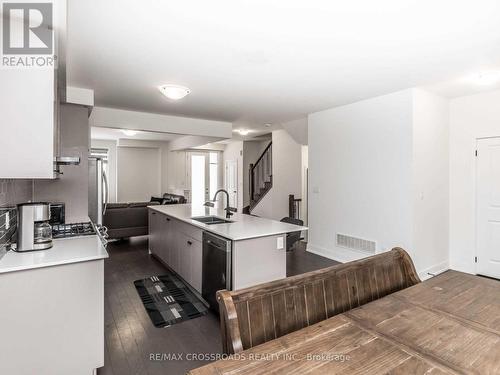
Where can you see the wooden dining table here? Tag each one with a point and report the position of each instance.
(449, 324)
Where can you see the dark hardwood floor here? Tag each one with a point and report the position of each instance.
(132, 344)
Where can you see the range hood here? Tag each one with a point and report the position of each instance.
(67, 160)
(64, 160)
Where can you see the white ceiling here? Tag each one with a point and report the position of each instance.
(116, 134)
(256, 62)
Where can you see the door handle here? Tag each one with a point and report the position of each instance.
(214, 244)
(224, 278)
(106, 197)
(189, 243)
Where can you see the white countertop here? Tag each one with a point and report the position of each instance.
(243, 226)
(63, 251)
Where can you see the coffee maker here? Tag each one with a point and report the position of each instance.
(33, 229)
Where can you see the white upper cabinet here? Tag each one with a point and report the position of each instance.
(28, 91)
(28, 123)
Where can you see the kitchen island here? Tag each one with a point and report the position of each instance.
(257, 245)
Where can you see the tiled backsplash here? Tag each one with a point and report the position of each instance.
(11, 193)
(8, 223)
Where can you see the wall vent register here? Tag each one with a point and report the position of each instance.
(356, 243)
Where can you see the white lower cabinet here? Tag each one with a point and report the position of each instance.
(190, 260)
(178, 245)
(52, 319)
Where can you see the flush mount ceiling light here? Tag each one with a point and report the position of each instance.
(485, 78)
(268, 125)
(174, 92)
(243, 131)
(129, 133)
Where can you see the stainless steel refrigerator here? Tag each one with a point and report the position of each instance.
(98, 190)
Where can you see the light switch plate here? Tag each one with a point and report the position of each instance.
(279, 243)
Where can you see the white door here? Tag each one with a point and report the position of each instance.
(488, 207)
(199, 178)
(203, 175)
(231, 179)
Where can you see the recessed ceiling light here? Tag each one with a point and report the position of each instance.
(485, 78)
(243, 131)
(129, 133)
(174, 92)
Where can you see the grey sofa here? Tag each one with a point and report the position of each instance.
(127, 219)
(169, 198)
(131, 219)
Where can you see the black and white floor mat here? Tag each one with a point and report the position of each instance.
(168, 300)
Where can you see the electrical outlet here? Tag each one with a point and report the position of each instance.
(279, 243)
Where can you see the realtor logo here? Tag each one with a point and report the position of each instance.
(27, 29)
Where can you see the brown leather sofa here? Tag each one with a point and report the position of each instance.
(127, 219)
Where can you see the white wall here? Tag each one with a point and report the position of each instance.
(124, 119)
(177, 177)
(471, 117)
(192, 141)
(360, 158)
(287, 177)
(139, 174)
(430, 182)
(234, 151)
(297, 129)
(110, 145)
(172, 164)
(378, 170)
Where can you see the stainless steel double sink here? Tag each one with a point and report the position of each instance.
(211, 220)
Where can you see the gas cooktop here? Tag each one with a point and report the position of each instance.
(73, 230)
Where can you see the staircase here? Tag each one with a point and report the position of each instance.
(261, 176)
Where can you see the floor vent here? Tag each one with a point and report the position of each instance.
(356, 243)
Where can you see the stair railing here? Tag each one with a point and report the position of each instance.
(261, 171)
(294, 206)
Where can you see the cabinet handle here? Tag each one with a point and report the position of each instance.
(168, 219)
(189, 243)
(154, 213)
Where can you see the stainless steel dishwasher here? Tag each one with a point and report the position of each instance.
(216, 271)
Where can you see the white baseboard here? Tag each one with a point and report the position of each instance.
(434, 270)
(345, 255)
